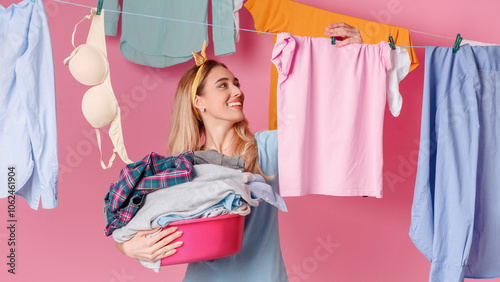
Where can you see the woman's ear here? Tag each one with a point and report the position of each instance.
(199, 103)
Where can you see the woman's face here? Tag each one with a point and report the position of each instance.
(222, 97)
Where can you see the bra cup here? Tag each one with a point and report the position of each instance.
(88, 65)
(99, 106)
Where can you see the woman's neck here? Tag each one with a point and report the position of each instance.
(219, 139)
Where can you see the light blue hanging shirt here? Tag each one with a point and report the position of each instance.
(456, 207)
(260, 257)
(28, 130)
(161, 43)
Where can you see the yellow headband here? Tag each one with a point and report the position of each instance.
(200, 61)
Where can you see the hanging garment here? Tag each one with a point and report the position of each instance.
(237, 5)
(475, 43)
(89, 65)
(298, 19)
(28, 131)
(331, 104)
(400, 63)
(161, 43)
(153, 172)
(455, 214)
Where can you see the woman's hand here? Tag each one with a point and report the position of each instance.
(344, 34)
(154, 248)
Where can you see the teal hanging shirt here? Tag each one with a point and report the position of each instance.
(158, 42)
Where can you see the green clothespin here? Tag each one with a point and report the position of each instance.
(391, 43)
(34, 1)
(333, 40)
(458, 40)
(99, 7)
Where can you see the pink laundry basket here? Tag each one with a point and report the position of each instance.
(207, 238)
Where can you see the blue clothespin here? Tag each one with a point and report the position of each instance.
(99, 7)
(333, 40)
(391, 43)
(458, 40)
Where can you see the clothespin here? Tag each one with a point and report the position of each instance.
(333, 40)
(34, 1)
(391, 43)
(458, 40)
(99, 7)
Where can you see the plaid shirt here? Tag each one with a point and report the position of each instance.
(138, 179)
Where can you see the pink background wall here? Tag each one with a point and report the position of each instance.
(370, 236)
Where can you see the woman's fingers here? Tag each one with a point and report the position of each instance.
(167, 240)
(151, 245)
(335, 25)
(164, 247)
(348, 34)
(165, 232)
(168, 250)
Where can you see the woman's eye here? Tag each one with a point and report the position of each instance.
(223, 85)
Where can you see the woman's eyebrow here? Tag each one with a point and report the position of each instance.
(222, 79)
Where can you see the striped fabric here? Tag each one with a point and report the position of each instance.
(200, 60)
(138, 179)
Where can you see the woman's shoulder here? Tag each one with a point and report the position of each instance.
(267, 146)
(267, 138)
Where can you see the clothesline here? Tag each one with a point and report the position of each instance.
(221, 26)
(163, 18)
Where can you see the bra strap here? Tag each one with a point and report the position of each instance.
(110, 163)
(92, 13)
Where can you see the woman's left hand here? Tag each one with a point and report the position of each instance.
(344, 34)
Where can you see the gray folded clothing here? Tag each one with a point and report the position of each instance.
(214, 157)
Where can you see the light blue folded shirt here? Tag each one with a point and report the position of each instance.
(230, 202)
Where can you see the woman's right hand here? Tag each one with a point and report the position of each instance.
(151, 249)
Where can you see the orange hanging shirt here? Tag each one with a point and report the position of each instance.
(298, 19)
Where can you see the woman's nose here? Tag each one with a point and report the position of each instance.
(237, 91)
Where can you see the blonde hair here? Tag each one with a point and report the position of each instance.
(186, 131)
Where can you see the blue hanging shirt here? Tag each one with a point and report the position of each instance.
(28, 129)
(456, 206)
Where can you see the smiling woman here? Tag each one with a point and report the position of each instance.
(221, 125)
(213, 119)
(208, 115)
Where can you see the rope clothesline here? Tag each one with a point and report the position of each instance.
(221, 26)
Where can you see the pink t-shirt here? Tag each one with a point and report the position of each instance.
(331, 103)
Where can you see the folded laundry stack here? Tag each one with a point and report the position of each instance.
(208, 209)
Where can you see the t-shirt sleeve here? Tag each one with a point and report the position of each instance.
(223, 37)
(111, 17)
(283, 53)
(267, 145)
